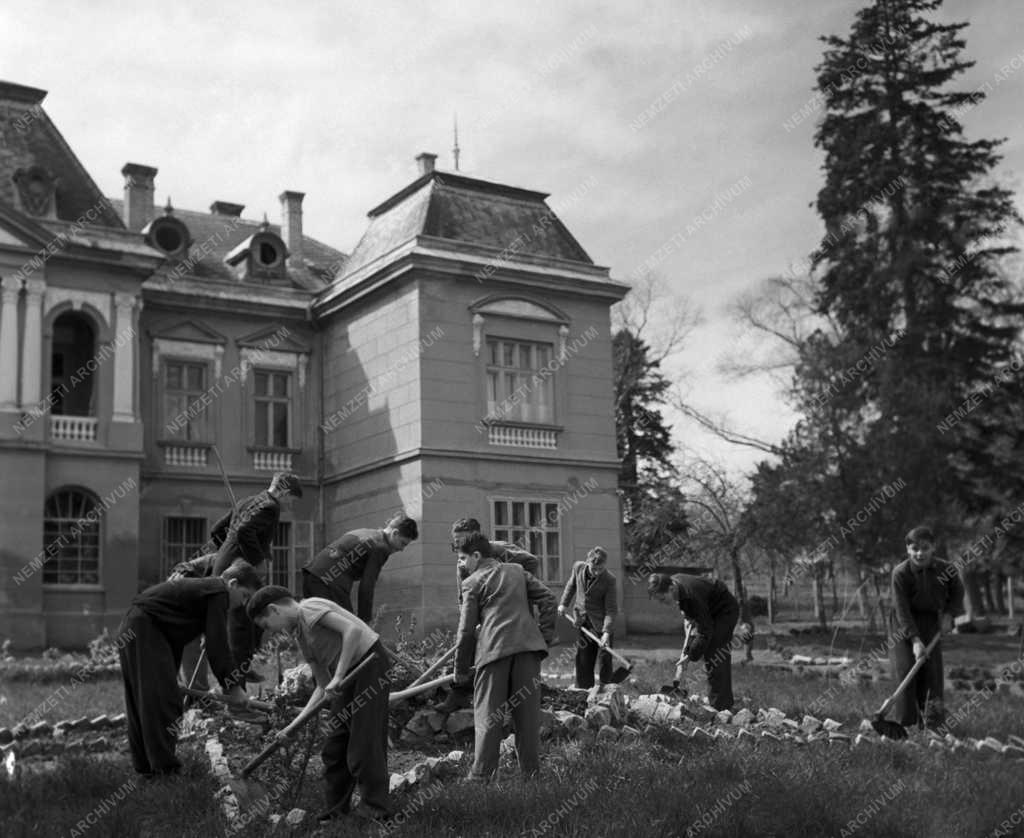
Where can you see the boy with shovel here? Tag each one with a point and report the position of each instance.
(507, 652)
(333, 642)
(592, 595)
(923, 588)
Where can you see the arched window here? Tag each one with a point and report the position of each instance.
(71, 538)
(72, 362)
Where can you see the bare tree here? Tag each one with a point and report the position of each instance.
(657, 316)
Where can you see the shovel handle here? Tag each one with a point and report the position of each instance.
(261, 757)
(262, 706)
(910, 675)
(416, 689)
(430, 670)
(597, 640)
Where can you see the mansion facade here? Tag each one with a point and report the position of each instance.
(457, 362)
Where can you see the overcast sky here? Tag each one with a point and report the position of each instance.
(237, 101)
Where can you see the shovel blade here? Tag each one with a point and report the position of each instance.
(619, 675)
(248, 792)
(891, 730)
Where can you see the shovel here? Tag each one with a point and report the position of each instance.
(894, 730)
(622, 672)
(202, 695)
(261, 757)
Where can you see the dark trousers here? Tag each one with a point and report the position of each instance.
(511, 683)
(921, 701)
(356, 750)
(315, 586)
(152, 700)
(718, 659)
(587, 655)
(244, 636)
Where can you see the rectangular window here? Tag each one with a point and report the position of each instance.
(184, 411)
(273, 408)
(281, 570)
(534, 526)
(515, 389)
(183, 539)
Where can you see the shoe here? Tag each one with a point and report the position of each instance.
(367, 812)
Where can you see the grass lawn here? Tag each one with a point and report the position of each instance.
(660, 786)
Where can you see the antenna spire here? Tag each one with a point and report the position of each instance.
(455, 150)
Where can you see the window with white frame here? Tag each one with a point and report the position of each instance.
(281, 571)
(534, 526)
(273, 404)
(71, 539)
(516, 391)
(183, 538)
(185, 413)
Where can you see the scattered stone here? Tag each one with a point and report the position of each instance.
(742, 717)
(99, 722)
(724, 716)
(399, 782)
(810, 724)
(792, 725)
(460, 721)
(1013, 750)
(1016, 740)
(992, 743)
(100, 743)
(831, 724)
(275, 820)
(607, 734)
(767, 734)
(774, 718)
(865, 726)
(609, 695)
(420, 771)
(296, 817)
(629, 734)
(569, 722)
(80, 723)
(30, 748)
(118, 720)
(436, 721)
(836, 736)
(455, 756)
(598, 716)
(743, 733)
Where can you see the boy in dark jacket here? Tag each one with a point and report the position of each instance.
(507, 652)
(923, 590)
(591, 592)
(161, 621)
(713, 613)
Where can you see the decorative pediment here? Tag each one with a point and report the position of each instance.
(17, 230)
(11, 241)
(277, 338)
(519, 307)
(188, 331)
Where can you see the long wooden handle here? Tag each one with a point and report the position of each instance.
(430, 670)
(220, 699)
(261, 757)
(597, 640)
(416, 689)
(910, 675)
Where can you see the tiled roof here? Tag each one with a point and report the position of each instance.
(28, 137)
(214, 236)
(461, 209)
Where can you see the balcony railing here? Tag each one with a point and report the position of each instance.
(73, 428)
(184, 455)
(522, 437)
(272, 460)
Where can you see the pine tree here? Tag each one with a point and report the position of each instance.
(910, 269)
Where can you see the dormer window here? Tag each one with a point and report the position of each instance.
(36, 191)
(261, 257)
(168, 234)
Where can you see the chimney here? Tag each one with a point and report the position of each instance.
(226, 208)
(291, 223)
(426, 162)
(139, 209)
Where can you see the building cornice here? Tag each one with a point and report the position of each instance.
(519, 456)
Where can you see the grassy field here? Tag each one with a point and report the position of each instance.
(662, 786)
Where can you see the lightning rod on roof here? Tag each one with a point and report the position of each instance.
(455, 150)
